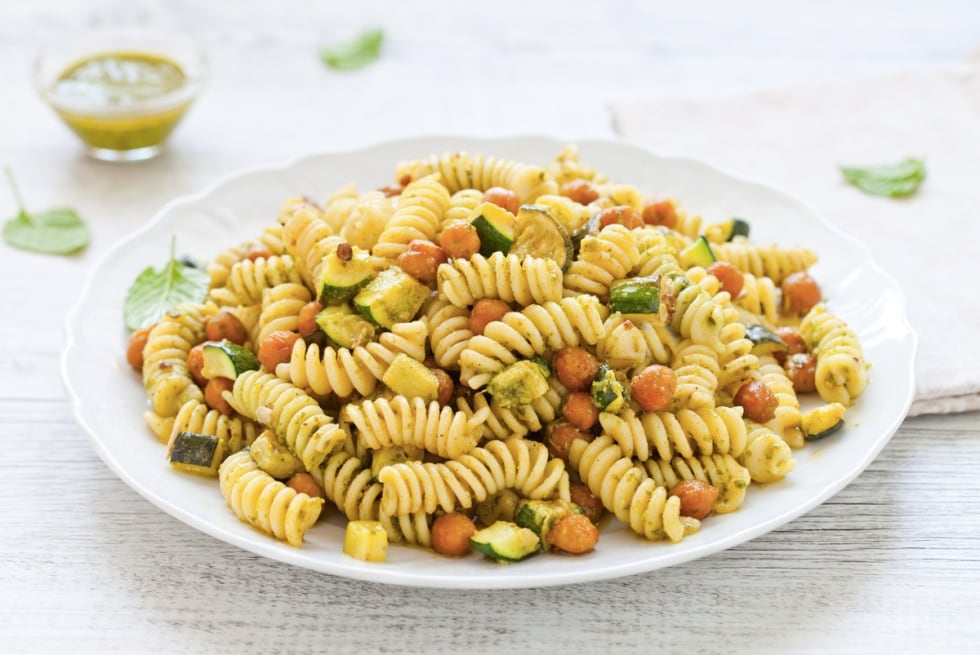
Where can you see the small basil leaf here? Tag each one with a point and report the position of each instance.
(888, 180)
(155, 291)
(354, 54)
(53, 232)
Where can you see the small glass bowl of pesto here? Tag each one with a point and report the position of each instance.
(122, 93)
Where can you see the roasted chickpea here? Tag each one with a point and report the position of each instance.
(660, 212)
(802, 370)
(213, 397)
(459, 240)
(732, 280)
(304, 483)
(559, 437)
(485, 311)
(134, 351)
(574, 534)
(446, 386)
(623, 215)
(306, 320)
(575, 367)
(195, 364)
(581, 191)
(800, 293)
(653, 387)
(422, 260)
(757, 401)
(276, 348)
(226, 326)
(451, 534)
(580, 410)
(697, 498)
(504, 198)
(591, 505)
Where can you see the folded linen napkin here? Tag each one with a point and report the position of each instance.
(796, 138)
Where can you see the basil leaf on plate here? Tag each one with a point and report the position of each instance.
(356, 53)
(888, 180)
(155, 291)
(54, 232)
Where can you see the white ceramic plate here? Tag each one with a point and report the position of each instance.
(109, 400)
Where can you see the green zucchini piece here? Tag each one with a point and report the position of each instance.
(520, 383)
(727, 230)
(495, 227)
(822, 421)
(272, 457)
(197, 453)
(638, 295)
(392, 297)
(608, 393)
(224, 359)
(764, 341)
(411, 378)
(542, 515)
(506, 542)
(344, 326)
(344, 272)
(740, 228)
(698, 253)
(538, 234)
(385, 457)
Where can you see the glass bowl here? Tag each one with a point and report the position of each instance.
(121, 92)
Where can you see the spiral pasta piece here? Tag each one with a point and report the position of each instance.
(404, 421)
(759, 296)
(296, 417)
(365, 222)
(767, 456)
(603, 258)
(267, 504)
(699, 317)
(248, 279)
(840, 374)
(738, 363)
(450, 331)
(307, 237)
(567, 166)
(235, 431)
(280, 309)
(461, 483)
(626, 345)
(419, 214)
(787, 414)
(167, 379)
(721, 471)
(461, 206)
(503, 422)
(774, 262)
(458, 170)
(628, 491)
(534, 330)
(511, 278)
(696, 368)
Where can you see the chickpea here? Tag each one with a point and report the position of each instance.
(697, 498)
(446, 386)
(653, 387)
(802, 370)
(195, 364)
(574, 534)
(660, 212)
(276, 348)
(580, 410)
(623, 215)
(213, 397)
(794, 343)
(226, 326)
(306, 320)
(575, 367)
(134, 351)
(800, 293)
(591, 505)
(732, 280)
(560, 436)
(451, 534)
(422, 260)
(304, 483)
(485, 311)
(757, 401)
(460, 240)
(504, 198)
(581, 191)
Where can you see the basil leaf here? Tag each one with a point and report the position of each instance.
(888, 180)
(354, 54)
(54, 232)
(154, 291)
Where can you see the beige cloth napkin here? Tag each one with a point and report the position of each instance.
(795, 139)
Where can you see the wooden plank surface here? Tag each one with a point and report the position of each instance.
(890, 564)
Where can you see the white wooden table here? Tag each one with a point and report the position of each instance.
(890, 564)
